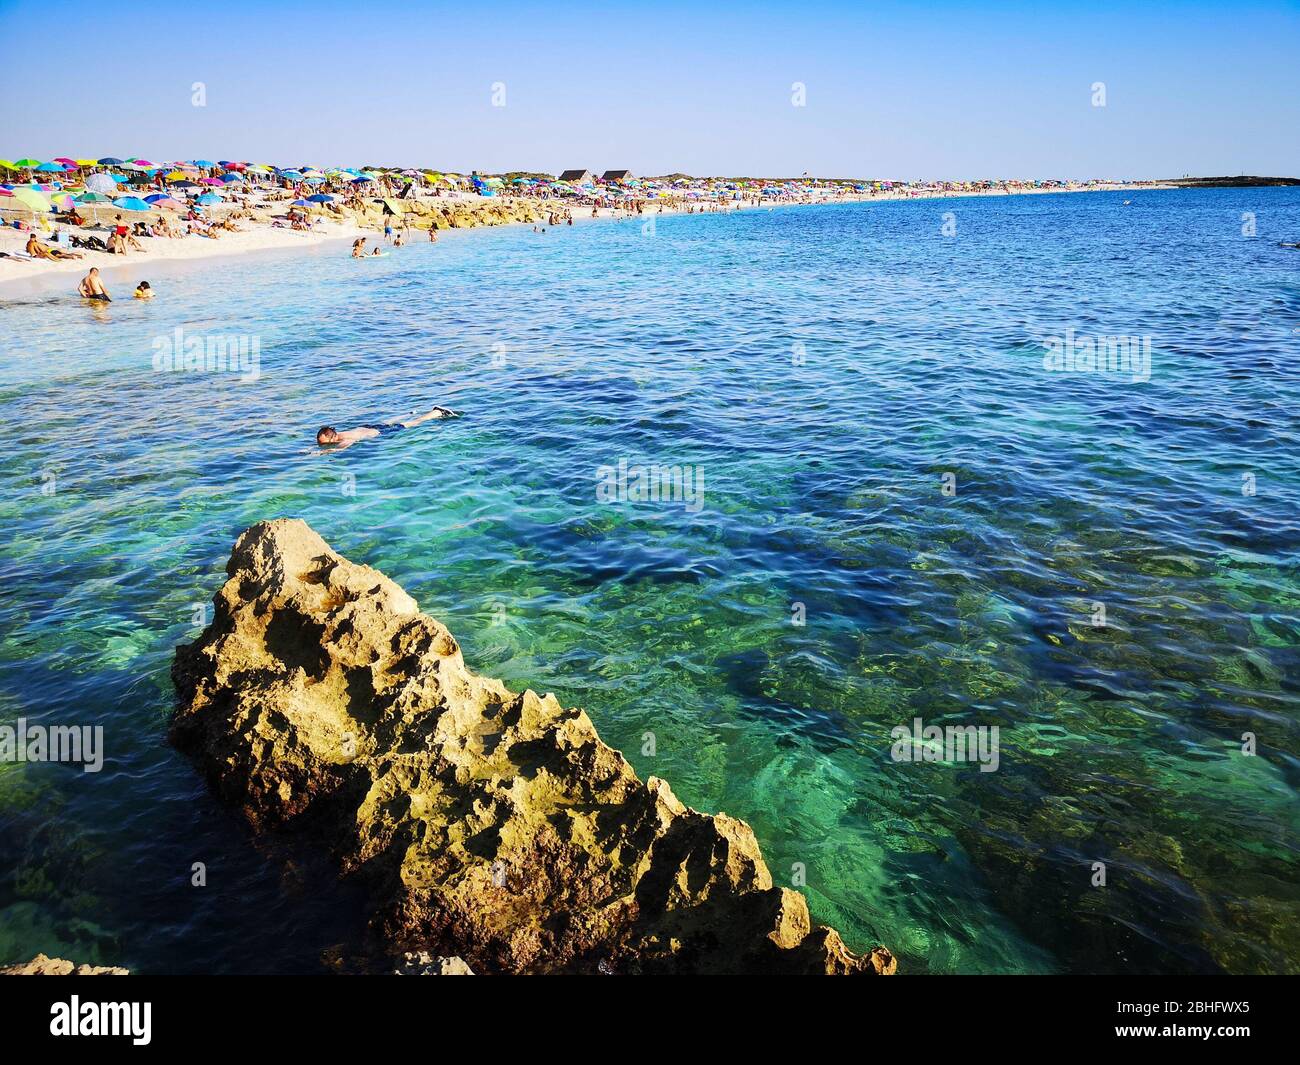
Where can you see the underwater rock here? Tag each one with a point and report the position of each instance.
(44, 966)
(490, 825)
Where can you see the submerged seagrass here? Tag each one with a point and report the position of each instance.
(491, 825)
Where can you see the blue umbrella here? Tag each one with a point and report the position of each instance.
(131, 203)
(361, 179)
(207, 164)
(110, 161)
(208, 199)
(314, 180)
(156, 197)
(321, 197)
(57, 168)
(228, 178)
(300, 203)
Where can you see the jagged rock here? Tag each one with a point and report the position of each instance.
(422, 963)
(44, 966)
(492, 826)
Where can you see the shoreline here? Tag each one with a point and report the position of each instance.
(164, 253)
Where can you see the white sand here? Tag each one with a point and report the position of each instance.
(162, 249)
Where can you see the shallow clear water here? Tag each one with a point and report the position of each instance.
(823, 486)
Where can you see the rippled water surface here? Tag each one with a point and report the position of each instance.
(824, 369)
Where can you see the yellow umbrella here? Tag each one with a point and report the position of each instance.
(31, 199)
(177, 175)
(87, 162)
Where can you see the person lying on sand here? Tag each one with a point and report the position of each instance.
(37, 250)
(92, 288)
(328, 436)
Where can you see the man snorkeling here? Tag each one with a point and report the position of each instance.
(328, 436)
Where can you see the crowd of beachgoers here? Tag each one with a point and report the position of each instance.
(65, 210)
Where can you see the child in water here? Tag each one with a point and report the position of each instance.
(143, 291)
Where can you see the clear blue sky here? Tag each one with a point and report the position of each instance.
(938, 89)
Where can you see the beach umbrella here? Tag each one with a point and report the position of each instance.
(130, 203)
(31, 199)
(6, 192)
(109, 161)
(91, 197)
(51, 168)
(204, 164)
(101, 183)
(208, 199)
(314, 180)
(228, 178)
(27, 164)
(62, 200)
(300, 203)
(321, 197)
(176, 175)
(184, 183)
(210, 181)
(86, 162)
(362, 179)
(167, 202)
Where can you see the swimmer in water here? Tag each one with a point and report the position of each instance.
(328, 436)
(143, 291)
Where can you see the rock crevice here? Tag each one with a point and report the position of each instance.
(490, 825)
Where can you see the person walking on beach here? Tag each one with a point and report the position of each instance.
(328, 436)
(92, 288)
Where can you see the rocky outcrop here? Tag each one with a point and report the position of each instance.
(449, 214)
(422, 963)
(44, 966)
(492, 826)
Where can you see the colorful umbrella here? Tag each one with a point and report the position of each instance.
(130, 203)
(31, 199)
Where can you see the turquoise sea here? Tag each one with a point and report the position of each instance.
(884, 457)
